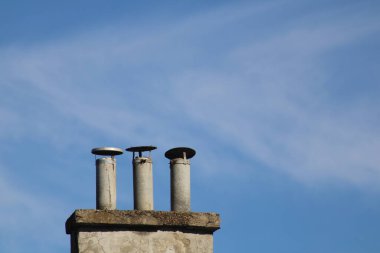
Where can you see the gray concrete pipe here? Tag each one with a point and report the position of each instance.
(106, 183)
(143, 183)
(106, 177)
(180, 178)
(180, 185)
(142, 178)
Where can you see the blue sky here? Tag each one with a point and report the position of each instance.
(279, 98)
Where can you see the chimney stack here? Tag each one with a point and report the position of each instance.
(110, 230)
(106, 177)
(142, 178)
(180, 178)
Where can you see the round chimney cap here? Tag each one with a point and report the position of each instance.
(111, 151)
(178, 153)
(141, 148)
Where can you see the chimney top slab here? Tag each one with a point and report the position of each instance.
(89, 219)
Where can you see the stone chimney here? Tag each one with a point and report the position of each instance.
(108, 230)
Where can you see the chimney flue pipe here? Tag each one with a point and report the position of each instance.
(180, 178)
(142, 178)
(106, 177)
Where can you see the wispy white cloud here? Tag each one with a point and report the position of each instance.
(271, 104)
(264, 97)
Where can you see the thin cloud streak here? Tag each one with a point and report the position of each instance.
(278, 114)
(259, 98)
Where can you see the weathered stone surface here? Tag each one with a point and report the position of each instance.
(144, 242)
(142, 220)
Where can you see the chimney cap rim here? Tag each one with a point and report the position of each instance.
(107, 151)
(141, 148)
(178, 153)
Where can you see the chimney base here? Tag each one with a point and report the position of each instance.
(107, 231)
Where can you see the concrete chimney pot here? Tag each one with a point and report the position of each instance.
(180, 185)
(106, 177)
(180, 178)
(142, 178)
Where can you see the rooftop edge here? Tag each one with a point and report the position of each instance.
(138, 219)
